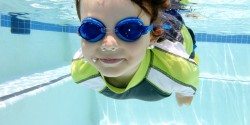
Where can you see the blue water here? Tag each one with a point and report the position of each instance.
(33, 91)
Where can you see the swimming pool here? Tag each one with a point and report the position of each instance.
(35, 87)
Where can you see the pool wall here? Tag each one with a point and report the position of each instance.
(47, 46)
(228, 61)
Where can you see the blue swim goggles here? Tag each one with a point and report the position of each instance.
(129, 29)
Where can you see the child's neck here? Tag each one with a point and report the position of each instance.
(118, 82)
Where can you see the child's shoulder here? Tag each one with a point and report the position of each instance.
(80, 69)
(78, 54)
(171, 59)
(175, 48)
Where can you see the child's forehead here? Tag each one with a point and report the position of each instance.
(111, 11)
(100, 2)
(110, 6)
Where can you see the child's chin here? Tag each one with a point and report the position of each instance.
(111, 73)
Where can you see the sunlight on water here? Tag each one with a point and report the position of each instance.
(50, 11)
(219, 16)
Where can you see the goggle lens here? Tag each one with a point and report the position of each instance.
(129, 29)
(91, 31)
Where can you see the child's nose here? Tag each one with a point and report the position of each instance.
(109, 43)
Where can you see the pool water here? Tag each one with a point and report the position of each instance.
(36, 89)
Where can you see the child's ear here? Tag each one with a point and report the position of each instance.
(166, 4)
(158, 31)
(156, 34)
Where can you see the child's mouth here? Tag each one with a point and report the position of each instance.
(111, 60)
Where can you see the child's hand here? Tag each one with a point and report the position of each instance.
(183, 99)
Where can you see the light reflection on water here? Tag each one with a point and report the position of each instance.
(217, 102)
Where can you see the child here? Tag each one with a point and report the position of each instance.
(117, 57)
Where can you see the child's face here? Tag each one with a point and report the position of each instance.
(125, 60)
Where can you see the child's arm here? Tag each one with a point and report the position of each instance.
(186, 100)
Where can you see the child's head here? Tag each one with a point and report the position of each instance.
(113, 55)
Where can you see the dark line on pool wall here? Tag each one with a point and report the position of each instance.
(36, 25)
(6, 97)
(224, 79)
(219, 38)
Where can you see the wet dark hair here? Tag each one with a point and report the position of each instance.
(151, 7)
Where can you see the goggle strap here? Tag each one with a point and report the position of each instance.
(166, 26)
(147, 29)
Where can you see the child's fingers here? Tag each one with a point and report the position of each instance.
(183, 99)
